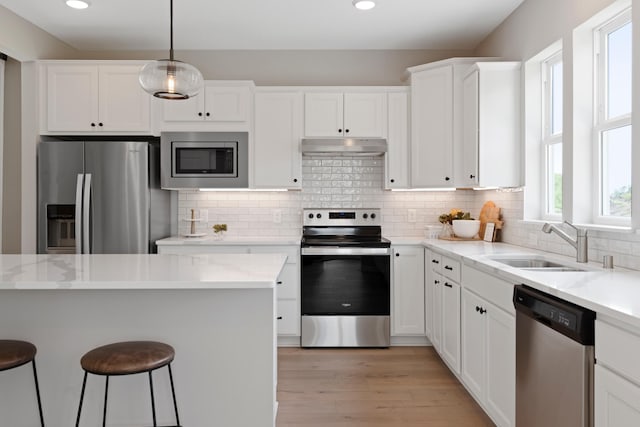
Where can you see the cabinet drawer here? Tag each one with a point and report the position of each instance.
(288, 317)
(497, 291)
(292, 252)
(451, 268)
(618, 349)
(202, 249)
(290, 279)
(434, 262)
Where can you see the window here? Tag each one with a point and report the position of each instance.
(552, 135)
(612, 131)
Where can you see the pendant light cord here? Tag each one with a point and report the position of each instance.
(171, 30)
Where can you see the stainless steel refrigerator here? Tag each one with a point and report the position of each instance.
(100, 197)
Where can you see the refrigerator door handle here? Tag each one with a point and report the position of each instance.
(78, 217)
(86, 207)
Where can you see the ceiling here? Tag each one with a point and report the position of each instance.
(267, 24)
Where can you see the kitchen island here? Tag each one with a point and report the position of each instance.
(217, 311)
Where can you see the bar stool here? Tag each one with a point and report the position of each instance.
(128, 358)
(17, 353)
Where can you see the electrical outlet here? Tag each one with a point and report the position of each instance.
(277, 216)
(204, 215)
(411, 215)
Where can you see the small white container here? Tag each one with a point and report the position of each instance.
(432, 231)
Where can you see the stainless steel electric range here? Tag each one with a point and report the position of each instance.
(345, 286)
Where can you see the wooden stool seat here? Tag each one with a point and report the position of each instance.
(126, 358)
(15, 353)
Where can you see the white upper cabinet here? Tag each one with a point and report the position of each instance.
(83, 96)
(397, 158)
(221, 105)
(491, 126)
(345, 114)
(278, 128)
(432, 127)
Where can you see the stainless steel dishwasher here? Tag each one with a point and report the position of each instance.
(554, 361)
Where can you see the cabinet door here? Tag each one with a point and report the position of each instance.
(617, 401)
(323, 114)
(470, 130)
(226, 103)
(500, 365)
(397, 157)
(428, 295)
(72, 98)
(432, 128)
(365, 114)
(436, 337)
(451, 324)
(473, 343)
(184, 110)
(124, 106)
(407, 317)
(277, 158)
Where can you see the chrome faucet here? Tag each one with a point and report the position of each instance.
(580, 243)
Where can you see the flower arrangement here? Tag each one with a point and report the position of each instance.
(447, 218)
(217, 228)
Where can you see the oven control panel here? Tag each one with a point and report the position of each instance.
(341, 217)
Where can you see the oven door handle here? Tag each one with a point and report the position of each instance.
(336, 250)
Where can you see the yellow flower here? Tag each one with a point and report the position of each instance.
(455, 212)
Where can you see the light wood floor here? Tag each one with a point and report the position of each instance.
(400, 386)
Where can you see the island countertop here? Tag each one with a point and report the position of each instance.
(219, 271)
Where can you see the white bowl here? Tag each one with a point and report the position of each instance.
(466, 228)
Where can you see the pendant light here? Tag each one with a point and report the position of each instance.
(168, 78)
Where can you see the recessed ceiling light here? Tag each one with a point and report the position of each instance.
(364, 4)
(78, 4)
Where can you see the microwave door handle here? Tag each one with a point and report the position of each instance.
(86, 207)
(78, 216)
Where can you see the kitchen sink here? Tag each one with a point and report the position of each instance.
(536, 264)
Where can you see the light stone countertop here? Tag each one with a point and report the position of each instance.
(614, 293)
(74, 272)
(209, 240)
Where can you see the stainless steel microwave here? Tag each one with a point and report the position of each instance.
(204, 160)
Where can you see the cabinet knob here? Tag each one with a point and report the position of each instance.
(448, 285)
(472, 176)
(279, 282)
(436, 281)
(295, 179)
(482, 310)
(392, 180)
(446, 178)
(100, 124)
(446, 267)
(435, 261)
(279, 317)
(346, 130)
(93, 125)
(208, 114)
(199, 114)
(397, 254)
(339, 130)
(477, 308)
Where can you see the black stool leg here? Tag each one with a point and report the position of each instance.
(35, 379)
(104, 411)
(84, 384)
(173, 393)
(153, 403)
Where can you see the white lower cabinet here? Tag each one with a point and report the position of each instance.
(617, 376)
(451, 324)
(407, 313)
(488, 344)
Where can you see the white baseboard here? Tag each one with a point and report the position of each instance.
(416, 341)
(288, 341)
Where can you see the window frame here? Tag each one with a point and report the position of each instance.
(548, 139)
(602, 124)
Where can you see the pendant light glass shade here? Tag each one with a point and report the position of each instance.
(168, 78)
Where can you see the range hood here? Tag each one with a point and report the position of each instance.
(344, 146)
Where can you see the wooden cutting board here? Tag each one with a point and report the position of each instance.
(489, 213)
